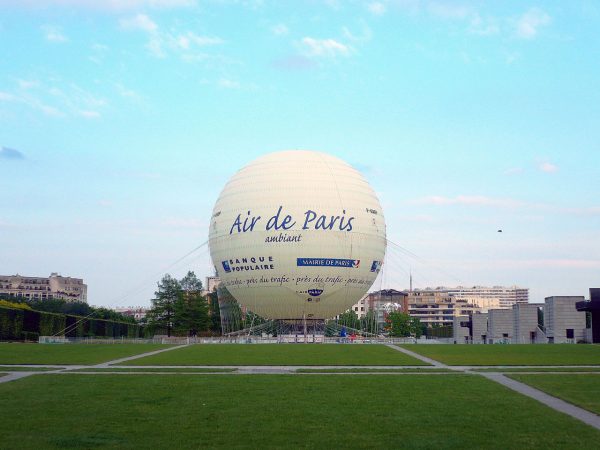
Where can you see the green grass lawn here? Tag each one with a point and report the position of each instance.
(279, 355)
(581, 390)
(27, 369)
(70, 353)
(279, 411)
(510, 355)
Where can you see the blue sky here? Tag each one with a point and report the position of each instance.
(120, 121)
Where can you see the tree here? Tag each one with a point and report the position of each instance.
(162, 313)
(191, 308)
(400, 324)
(417, 327)
(369, 322)
(82, 309)
(215, 312)
(349, 319)
(191, 314)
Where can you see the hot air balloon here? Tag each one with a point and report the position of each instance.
(296, 235)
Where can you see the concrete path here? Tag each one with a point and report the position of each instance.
(141, 355)
(433, 362)
(553, 402)
(16, 375)
(548, 400)
(249, 371)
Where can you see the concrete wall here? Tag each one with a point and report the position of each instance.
(460, 334)
(500, 325)
(525, 322)
(560, 314)
(480, 328)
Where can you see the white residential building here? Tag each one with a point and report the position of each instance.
(488, 297)
(40, 288)
(137, 312)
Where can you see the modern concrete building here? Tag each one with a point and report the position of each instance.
(461, 329)
(564, 324)
(500, 326)
(38, 288)
(526, 327)
(479, 327)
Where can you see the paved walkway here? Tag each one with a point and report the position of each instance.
(142, 355)
(15, 376)
(433, 362)
(553, 402)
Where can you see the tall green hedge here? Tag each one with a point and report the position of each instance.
(18, 325)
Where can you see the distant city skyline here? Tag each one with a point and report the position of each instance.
(121, 121)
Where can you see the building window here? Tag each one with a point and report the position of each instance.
(570, 333)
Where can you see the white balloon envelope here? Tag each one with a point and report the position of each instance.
(297, 234)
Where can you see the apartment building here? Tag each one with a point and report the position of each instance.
(40, 288)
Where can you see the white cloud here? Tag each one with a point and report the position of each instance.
(376, 8)
(161, 43)
(324, 47)
(6, 97)
(89, 114)
(184, 222)
(280, 30)
(200, 41)
(470, 200)
(548, 167)
(228, 84)
(528, 24)
(28, 84)
(54, 34)
(101, 5)
(127, 93)
(155, 46)
(552, 263)
(513, 171)
(483, 27)
(365, 35)
(50, 111)
(445, 10)
(139, 22)
(99, 51)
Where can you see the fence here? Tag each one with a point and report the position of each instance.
(221, 340)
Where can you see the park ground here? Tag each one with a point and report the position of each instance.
(310, 396)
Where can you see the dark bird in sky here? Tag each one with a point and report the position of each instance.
(499, 231)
